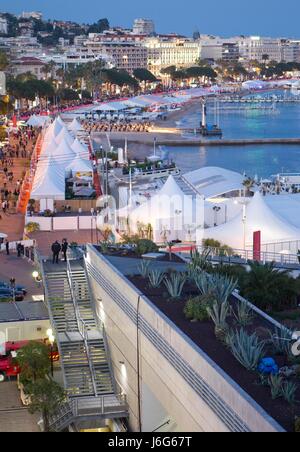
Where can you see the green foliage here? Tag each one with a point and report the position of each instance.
(99, 27)
(199, 261)
(144, 246)
(220, 286)
(4, 62)
(156, 278)
(289, 390)
(196, 309)
(68, 94)
(297, 425)
(269, 288)
(46, 396)
(175, 284)
(144, 268)
(143, 75)
(247, 349)
(219, 313)
(275, 383)
(281, 341)
(243, 314)
(34, 361)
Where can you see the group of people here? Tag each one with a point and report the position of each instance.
(20, 146)
(106, 126)
(58, 248)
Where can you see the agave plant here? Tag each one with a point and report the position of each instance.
(275, 383)
(248, 350)
(156, 278)
(281, 341)
(144, 268)
(204, 283)
(288, 391)
(219, 313)
(223, 287)
(200, 261)
(175, 284)
(243, 315)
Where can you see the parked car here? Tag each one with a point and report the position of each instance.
(19, 288)
(8, 293)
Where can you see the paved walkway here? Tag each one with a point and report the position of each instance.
(13, 416)
(21, 269)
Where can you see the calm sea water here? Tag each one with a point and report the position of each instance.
(262, 160)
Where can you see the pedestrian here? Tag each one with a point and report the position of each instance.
(56, 249)
(7, 247)
(64, 248)
(19, 249)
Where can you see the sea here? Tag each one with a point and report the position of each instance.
(280, 120)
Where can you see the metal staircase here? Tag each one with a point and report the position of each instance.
(85, 363)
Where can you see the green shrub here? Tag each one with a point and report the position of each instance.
(275, 383)
(32, 227)
(297, 425)
(243, 314)
(289, 390)
(145, 246)
(144, 268)
(196, 309)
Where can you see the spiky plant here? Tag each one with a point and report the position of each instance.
(223, 287)
(248, 350)
(175, 284)
(156, 278)
(281, 341)
(219, 313)
(203, 282)
(200, 261)
(275, 383)
(144, 268)
(243, 314)
(289, 390)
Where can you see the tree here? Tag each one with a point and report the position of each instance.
(99, 27)
(68, 94)
(169, 70)
(143, 75)
(3, 61)
(265, 57)
(269, 288)
(46, 397)
(34, 362)
(93, 75)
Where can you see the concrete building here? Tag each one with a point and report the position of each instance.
(169, 51)
(219, 49)
(3, 26)
(32, 15)
(143, 27)
(170, 383)
(256, 47)
(28, 64)
(24, 321)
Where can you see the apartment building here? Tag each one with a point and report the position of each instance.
(143, 27)
(219, 49)
(171, 51)
(3, 26)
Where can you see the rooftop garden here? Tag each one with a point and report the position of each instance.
(259, 355)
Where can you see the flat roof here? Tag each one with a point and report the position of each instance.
(23, 311)
(213, 181)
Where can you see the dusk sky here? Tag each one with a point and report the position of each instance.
(224, 17)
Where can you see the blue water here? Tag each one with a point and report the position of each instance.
(263, 160)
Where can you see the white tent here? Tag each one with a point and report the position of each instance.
(79, 165)
(63, 153)
(257, 216)
(75, 126)
(37, 121)
(54, 129)
(48, 148)
(49, 181)
(64, 135)
(110, 107)
(80, 149)
(169, 210)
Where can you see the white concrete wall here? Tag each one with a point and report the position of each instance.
(130, 346)
(63, 223)
(23, 331)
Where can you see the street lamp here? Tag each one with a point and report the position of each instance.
(51, 339)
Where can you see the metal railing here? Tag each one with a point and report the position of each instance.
(238, 256)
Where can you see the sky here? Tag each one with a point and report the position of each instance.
(218, 17)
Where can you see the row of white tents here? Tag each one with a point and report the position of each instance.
(62, 155)
(173, 213)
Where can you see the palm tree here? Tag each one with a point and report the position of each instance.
(265, 57)
(268, 287)
(248, 184)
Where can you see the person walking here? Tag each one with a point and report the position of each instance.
(64, 248)
(19, 249)
(56, 249)
(7, 247)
